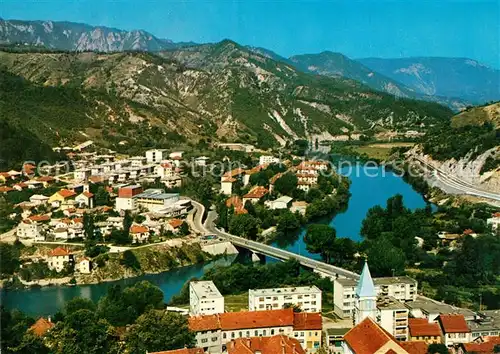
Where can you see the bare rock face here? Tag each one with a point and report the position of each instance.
(79, 37)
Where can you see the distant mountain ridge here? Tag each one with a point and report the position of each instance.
(454, 82)
(79, 37)
(450, 77)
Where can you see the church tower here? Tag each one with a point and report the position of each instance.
(366, 297)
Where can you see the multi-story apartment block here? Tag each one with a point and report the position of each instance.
(308, 298)
(156, 155)
(401, 288)
(392, 315)
(205, 298)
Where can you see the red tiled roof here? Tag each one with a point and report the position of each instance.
(265, 345)
(88, 194)
(5, 174)
(4, 189)
(236, 202)
(453, 324)
(368, 337)
(66, 193)
(418, 347)
(482, 348)
(235, 172)
(256, 192)
(275, 178)
(46, 179)
(256, 319)
(175, 223)
(255, 169)
(228, 179)
(21, 185)
(421, 327)
(307, 321)
(496, 215)
(204, 323)
(59, 252)
(181, 351)
(39, 217)
(138, 229)
(41, 326)
(468, 231)
(242, 320)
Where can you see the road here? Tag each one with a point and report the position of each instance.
(457, 183)
(208, 227)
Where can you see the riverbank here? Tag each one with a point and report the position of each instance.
(111, 267)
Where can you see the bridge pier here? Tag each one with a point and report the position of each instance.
(255, 257)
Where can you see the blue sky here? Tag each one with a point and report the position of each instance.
(357, 28)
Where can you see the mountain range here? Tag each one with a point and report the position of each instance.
(455, 82)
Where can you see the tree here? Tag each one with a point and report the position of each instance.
(102, 196)
(158, 331)
(385, 259)
(320, 239)
(244, 225)
(30, 343)
(120, 237)
(78, 303)
(287, 221)
(129, 260)
(343, 252)
(88, 227)
(122, 306)
(435, 348)
(286, 183)
(184, 229)
(9, 258)
(82, 332)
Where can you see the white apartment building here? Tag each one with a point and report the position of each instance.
(156, 155)
(205, 298)
(31, 230)
(401, 288)
(392, 315)
(308, 298)
(268, 159)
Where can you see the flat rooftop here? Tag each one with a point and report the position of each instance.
(286, 291)
(205, 289)
(488, 321)
(390, 303)
(379, 281)
(431, 306)
(156, 194)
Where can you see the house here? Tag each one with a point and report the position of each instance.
(268, 159)
(34, 184)
(273, 180)
(139, 233)
(59, 197)
(30, 230)
(308, 298)
(181, 351)
(278, 344)
(299, 207)
(335, 339)
(125, 198)
(255, 194)
(283, 202)
(485, 346)
(494, 221)
(250, 172)
(236, 202)
(84, 265)
(415, 347)
(201, 161)
(174, 181)
(367, 337)
(46, 180)
(6, 189)
(85, 199)
(165, 170)
(156, 155)
(38, 199)
(205, 298)
(20, 186)
(59, 258)
(41, 327)
(485, 324)
(215, 331)
(455, 329)
(226, 185)
(422, 330)
(174, 224)
(82, 174)
(237, 147)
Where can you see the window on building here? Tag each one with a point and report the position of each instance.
(224, 335)
(272, 331)
(241, 334)
(204, 340)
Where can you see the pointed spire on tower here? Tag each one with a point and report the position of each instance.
(366, 288)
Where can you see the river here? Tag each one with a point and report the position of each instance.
(369, 187)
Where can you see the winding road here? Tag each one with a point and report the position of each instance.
(208, 227)
(457, 183)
